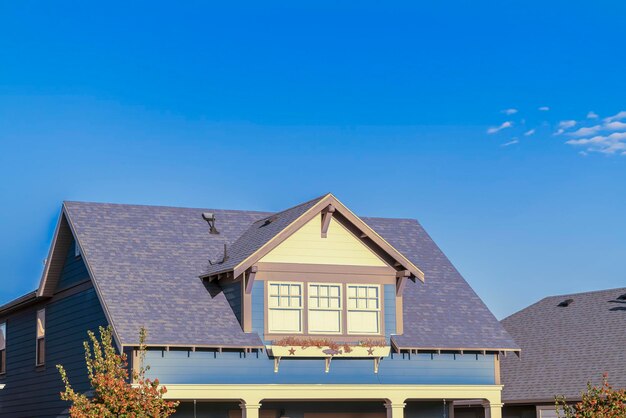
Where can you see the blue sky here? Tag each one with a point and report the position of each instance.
(389, 106)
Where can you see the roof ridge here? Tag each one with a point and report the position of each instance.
(291, 208)
(165, 206)
(584, 293)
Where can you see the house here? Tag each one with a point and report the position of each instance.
(566, 341)
(236, 304)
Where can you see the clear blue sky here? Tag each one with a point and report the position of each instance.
(387, 105)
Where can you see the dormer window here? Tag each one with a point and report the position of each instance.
(363, 309)
(325, 308)
(285, 308)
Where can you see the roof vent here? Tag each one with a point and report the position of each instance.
(269, 220)
(210, 219)
(622, 297)
(566, 303)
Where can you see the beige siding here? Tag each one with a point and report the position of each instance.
(306, 246)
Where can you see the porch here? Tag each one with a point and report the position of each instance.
(332, 401)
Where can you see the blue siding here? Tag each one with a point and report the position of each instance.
(74, 270)
(258, 308)
(34, 392)
(390, 310)
(236, 368)
(233, 295)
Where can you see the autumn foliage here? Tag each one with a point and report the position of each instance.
(113, 395)
(601, 401)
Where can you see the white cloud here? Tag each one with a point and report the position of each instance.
(566, 124)
(544, 108)
(529, 133)
(511, 142)
(509, 111)
(592, 115)
(606, 144)
(615, 126)
(618, 116)
(586, 131)
(496, 129)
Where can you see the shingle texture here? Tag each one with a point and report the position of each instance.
(146, 262)
(565, 347)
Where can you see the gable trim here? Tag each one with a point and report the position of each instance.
(368, 236)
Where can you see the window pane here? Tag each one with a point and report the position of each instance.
(274, 301)
(313, 303)
(334, 303)
(284, 289)
(351, 303)
(283, 302)
(361, 304)
(351, 291)
(274, 289)
(3, 336)
(295, 302)
(323, 290)
(362, 292)
(295, 290)
(284, 320)
(325, 321)
(372, 304)
(323, 302)
(372, 292)
(41, 323)
(313, 290)
(334, 291)
(363, 322)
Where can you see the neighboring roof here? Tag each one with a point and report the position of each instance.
(146, 261)
(19, 302)
(565, 347)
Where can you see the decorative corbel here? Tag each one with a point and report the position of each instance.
(327, 215)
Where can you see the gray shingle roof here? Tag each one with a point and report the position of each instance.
(147, 260)
(565, 347)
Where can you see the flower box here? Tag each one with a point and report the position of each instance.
(356, 351)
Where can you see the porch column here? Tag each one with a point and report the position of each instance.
(249, 410)
(493, 410)
(395, 408)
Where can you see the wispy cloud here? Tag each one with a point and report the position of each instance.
(511, 142)
(496, 129)
(566, 124)
(614, 143)
(544, 108)
(529, 133)
(509, 111)
(592, 115)
(586, 131)
(618, 116)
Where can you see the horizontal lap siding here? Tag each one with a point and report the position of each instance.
(74, 270)
(176, 367)
(390, 309)
(34, 392)
(233, 296)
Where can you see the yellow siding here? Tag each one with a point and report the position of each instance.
(340, 247)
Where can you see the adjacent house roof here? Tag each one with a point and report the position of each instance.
(146, 263)
(566, 346)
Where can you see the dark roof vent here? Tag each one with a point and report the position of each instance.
(210, 219)
(269, 220)
(622, 297)
(566, 303)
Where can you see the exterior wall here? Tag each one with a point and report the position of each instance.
(390, 309)
(206, 367)
(74, 270)
(307, 246)
(232, 292)
(32, 391)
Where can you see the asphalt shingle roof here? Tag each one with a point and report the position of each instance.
(565, 347)
(146, 262)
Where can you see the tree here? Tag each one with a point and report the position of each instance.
(113, 394)
(601, 401)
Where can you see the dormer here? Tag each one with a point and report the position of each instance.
(315, 271)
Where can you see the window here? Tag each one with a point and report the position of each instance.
(324, 308)
(3, 347)
(41, 337)
(363, 309)
(285, 307)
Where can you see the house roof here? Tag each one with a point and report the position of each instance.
(145, 262)
(564, 347)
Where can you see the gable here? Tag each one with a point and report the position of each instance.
(307, 246)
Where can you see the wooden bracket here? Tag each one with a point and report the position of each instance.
(276, 363)
(327, 215)
(377, 363)
(327, 361)
(402, 276)
(250, 279)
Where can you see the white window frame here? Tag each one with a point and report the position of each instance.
(3, 350)
(270, 307)
(40, 339)
(339, 309)
(378, 310)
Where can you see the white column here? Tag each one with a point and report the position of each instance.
(249, 410)
(493, 410)
(395, 409)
